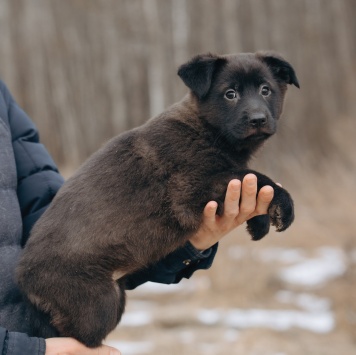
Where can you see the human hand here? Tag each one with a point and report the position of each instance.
(236, 212)
(70, 346)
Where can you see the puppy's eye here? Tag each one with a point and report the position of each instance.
(265, 91)
(230, 94)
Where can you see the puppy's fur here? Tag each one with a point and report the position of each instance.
(142, 195)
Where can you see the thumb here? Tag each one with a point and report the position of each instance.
(108, 350)
(70, 346)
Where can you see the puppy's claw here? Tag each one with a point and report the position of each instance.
(282, 215)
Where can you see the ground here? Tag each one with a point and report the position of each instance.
(292, 293)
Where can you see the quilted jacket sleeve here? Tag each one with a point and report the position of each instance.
(182, 263)
(13, 343)
(37, 174)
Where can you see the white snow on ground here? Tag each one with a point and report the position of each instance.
(305, 301)
(313, 313)
(136, 319)
(282, 255)
(151, 288)
(210, 316)
(329, 263)
(236, 252)
(353, 255)
(281, 320)
(184, 286)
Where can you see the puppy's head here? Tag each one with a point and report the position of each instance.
(241, 95)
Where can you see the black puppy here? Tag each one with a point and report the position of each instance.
(142, 195)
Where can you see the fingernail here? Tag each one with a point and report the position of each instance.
(235, 184)
(251, 182)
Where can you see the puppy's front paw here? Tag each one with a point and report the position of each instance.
(281, 210)
(258, 226)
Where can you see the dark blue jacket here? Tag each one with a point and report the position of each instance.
(29, 180)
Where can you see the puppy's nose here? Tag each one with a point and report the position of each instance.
(257, 119)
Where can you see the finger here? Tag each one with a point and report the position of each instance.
(71, 346)
(103, 350)
(232, 199)
(279, 184)
(107, 350)
(210, 212)
(248, 196)
(264, 199)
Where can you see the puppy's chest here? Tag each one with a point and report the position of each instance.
(202, 171)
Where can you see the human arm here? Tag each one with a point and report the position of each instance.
(37, 174)
(236, 212)
(240, 205)
(70, 346)
(14, 343)
(37, 182)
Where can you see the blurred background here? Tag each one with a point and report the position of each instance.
(88, 70)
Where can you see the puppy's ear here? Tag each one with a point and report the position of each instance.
(280, 68)
(198, 72)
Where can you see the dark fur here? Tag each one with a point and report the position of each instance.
(142, 195)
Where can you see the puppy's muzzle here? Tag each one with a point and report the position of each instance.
(257, 120)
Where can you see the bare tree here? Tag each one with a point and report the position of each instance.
(87, 70)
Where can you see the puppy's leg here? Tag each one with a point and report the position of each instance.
(95, 314)
(258, 226)
(280, 211)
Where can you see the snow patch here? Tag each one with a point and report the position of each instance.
(329, 264)
(136, 319)
(305, 301)
(281, 320)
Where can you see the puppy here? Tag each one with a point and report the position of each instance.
(142, 195)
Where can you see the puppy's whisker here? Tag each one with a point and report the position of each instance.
(216, 141)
